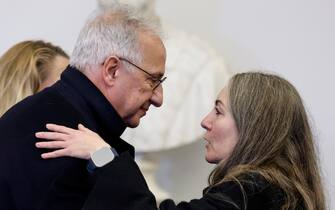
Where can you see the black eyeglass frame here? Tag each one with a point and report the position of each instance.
(157, 82)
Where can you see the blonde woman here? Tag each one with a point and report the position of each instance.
(27, 68)
(257, 134)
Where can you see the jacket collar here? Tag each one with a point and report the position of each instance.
(109, 124)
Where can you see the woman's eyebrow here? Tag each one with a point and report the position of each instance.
(219, 103)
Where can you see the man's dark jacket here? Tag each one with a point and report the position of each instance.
(130, 192)
(29, 182)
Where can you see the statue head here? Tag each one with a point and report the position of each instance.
(146, 7)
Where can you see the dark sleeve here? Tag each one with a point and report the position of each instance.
(6, 201)
(121, 186)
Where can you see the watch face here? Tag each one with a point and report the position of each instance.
(102, 156)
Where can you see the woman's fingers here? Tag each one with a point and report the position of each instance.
(56, 154)
(81, 127)
(51, 144)
(51, 135)
(79, 143)
(59, 128)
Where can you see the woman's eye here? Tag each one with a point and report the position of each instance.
(219, 111)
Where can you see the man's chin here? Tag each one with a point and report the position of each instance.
(133, 123)
(134, 120)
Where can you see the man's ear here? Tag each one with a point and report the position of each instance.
(110, 70)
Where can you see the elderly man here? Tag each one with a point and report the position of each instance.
(115, 74)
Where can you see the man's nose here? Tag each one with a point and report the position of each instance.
(157, 96)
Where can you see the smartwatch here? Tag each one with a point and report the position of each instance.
(101, 157)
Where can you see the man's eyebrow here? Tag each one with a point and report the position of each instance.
(157, 75)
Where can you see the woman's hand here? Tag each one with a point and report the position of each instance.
(70, 142)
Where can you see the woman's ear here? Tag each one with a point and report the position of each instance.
(110, 69)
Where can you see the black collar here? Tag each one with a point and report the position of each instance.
(109, 124)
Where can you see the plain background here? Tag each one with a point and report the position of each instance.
(294, 38)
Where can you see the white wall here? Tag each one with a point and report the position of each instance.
(56, 21)
(294, 38)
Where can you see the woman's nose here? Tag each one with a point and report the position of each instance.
(205, 123)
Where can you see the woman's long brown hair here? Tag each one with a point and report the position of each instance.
(275, 140)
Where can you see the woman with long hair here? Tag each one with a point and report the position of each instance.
(27, 68)
(257, 134)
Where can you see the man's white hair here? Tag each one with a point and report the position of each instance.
(111, 31)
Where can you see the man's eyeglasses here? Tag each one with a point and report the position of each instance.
(155, 82)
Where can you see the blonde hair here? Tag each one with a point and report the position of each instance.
(22, 69)
(275, 140)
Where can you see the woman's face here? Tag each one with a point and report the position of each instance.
(221, 132)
